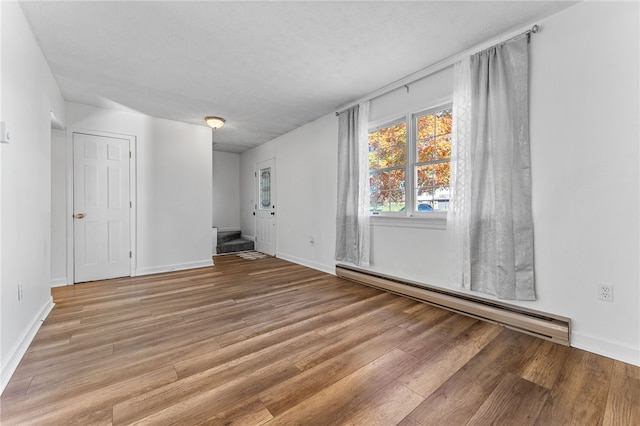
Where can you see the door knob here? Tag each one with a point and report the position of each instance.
(79, 215)
(273, 214)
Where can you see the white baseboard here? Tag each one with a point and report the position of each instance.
(616, 350)
(10, 363)
(308, 263)
(177, 267)
(228, 229)
(59, 282)
(248, 237)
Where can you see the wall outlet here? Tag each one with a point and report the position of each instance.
(605, 292)
(20, 292)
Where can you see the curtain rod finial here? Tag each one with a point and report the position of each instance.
(535, 28)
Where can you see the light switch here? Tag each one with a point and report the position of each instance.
(5, 136)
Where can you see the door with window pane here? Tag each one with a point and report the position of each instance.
(266, 207)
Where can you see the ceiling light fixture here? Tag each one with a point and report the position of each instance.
(214, 122)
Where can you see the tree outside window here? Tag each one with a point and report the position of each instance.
(387, 167)
(433, 162)
(422, 167)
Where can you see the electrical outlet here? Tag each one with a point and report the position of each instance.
(605, 292)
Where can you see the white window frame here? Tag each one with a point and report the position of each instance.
(410, 217)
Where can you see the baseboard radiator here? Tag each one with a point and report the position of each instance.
(546, 326)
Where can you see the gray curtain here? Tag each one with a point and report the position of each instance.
(352, 218)
(495, 224)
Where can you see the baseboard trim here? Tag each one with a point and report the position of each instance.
(614, 350)
(248, 237)
(59, 282)
(176, 267)
(307, 263)
(10, 363)
(540, 324)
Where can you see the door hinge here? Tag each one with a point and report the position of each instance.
(130, 254)
(255, 174)
(130, 205)
(129, 154)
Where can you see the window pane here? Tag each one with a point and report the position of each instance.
(426, 126)
(433, 147)
(433, 186)
(387, 190)
(443, 146)
(265, 189)
(425, 175)
(433, 174)
(444, 120)
(426, 150)
(388, 147)
(393, 201)
(432, 198)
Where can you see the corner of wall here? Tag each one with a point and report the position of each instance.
(60, 282)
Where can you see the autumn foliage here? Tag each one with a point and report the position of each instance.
(388, 158)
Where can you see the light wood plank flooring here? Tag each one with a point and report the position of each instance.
(265, 341)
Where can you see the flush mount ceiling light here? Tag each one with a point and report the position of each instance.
(214, 122)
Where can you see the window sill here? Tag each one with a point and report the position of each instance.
(427, 221)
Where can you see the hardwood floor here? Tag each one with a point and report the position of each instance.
(265, 341)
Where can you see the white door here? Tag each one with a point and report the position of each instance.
(101, 207)
(266, 208)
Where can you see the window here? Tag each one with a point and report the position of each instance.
(265, 189)
(411, 179)
(433, 160)
(387, 168)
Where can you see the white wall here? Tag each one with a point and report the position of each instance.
(305, 181)
(584, 146)
(58, 208)
(306, 165)
(226, 191)
(426, 93)
(29, 95)
(584, 137)
(173, 192)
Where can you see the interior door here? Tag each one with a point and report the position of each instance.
(266, 207)
(101, 206)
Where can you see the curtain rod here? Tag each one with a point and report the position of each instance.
(438, 66)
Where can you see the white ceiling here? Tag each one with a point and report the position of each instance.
(267, 67)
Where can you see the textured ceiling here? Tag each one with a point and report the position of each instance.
(267, 67)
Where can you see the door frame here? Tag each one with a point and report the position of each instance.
(256, 189)
(70, 197)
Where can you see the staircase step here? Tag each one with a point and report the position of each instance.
(226, 236)
(233, 246)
